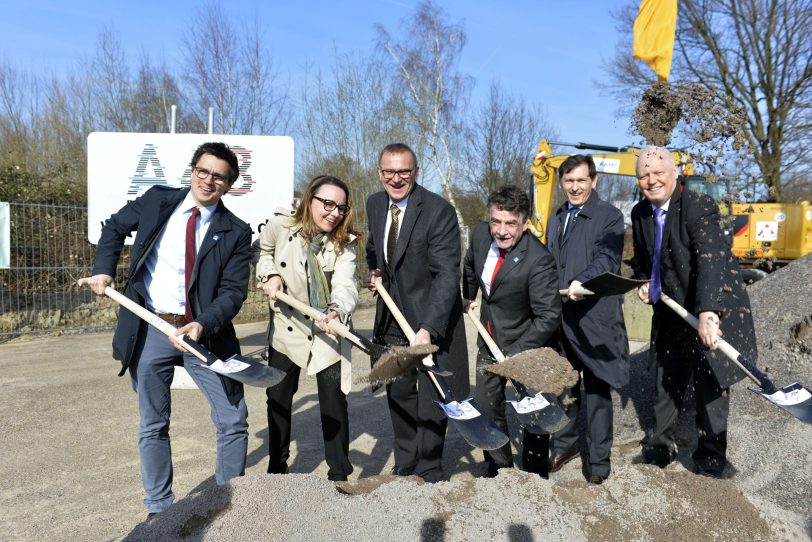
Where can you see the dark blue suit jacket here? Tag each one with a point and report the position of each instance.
(219, 282)
(594, 326)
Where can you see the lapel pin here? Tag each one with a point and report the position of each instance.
(515, 259)
(215, 237)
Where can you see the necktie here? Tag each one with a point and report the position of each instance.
(573, 212)
(191, 253)
(656, 287)
(392, 238)
(499, 261)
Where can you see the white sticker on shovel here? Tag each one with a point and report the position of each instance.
(228, 367)
(459, 411)
(530, 404)
(794, 397)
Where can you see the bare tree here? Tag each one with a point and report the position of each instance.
(425, 54)
(757, 53)
(503, 135)
(228, 69)
(347, 117)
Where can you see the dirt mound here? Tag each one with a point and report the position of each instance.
(540, 369)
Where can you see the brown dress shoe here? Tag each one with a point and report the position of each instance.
(559, 460)
(596, 479)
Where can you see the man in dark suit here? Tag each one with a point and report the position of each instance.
(520, 304)
(679, 244)
(190, 267)
(585, 236)
(413, 244)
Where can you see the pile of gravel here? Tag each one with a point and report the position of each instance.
(767, 497)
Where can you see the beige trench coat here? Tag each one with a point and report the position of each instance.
(283, 253)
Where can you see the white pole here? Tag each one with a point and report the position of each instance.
(173, 114)
(211, 120)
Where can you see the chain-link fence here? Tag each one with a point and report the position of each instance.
(49, 252)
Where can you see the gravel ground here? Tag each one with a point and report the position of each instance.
(71, 468)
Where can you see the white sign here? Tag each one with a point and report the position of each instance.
(607, 165)
(767, 231)
(122, 166)
(5, 235)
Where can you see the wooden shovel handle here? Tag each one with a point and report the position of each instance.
(340, 328)
(489, 342)
(725, 347)
(149, 317)
(407, 329)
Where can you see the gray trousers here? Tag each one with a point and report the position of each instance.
(151, 371)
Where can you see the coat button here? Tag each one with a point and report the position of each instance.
(290, 238)
(290, 328)
(309, 338)
(306, 317)
(283, 264)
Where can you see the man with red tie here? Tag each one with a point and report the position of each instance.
(190, 266)
(520, 307)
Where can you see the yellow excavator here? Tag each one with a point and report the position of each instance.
(764, 235)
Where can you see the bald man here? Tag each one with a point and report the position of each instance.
(679, 244)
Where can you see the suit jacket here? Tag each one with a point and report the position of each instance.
(523, 306)
(219, 282)
(698, 271)
(593, 326)
(283, 252)
(424, 279)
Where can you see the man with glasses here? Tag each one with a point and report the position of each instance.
(190, 266)
(413, 244)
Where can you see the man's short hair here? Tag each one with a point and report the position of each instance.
(223, 152)
(510, 198)
(576, 160)
(398, 148)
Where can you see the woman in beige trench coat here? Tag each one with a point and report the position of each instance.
(310, 254)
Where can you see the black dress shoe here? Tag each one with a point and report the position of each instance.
(558, 460)
(596, 479)
(662, 457)
(278, 468)
(402, 471)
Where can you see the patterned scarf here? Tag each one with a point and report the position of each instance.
(319, 289)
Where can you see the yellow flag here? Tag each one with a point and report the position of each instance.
(654, 30)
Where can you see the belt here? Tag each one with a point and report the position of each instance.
(177, 320)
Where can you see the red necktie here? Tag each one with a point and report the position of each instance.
(499, 261)
(191, 252)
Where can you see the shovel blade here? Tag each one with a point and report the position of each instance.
(239, 368)
(611, 284)
(794, 398)
(542, 415)
(477, 429)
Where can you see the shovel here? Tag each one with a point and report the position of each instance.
(794, 398)
(237, 367)
(607, 284)
(392, 361)
(477, 429)
(541, 413)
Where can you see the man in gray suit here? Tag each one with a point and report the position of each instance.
(413, 244)
(520, 307)
(585, 236)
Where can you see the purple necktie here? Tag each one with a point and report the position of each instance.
(656, 288)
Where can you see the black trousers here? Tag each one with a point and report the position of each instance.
(335, 426)
(680, 360)
(596, 397)
(490, 396)
(418, 424)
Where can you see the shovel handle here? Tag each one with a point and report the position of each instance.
(407, 329)
(340, 328)
(489, 342)
(725, 347)
(151, 318)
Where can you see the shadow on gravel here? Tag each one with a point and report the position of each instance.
(188, 518)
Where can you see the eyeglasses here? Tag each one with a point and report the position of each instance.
(203, 173)
(330, 206)
(389, 174)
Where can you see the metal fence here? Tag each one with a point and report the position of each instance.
(49, 252)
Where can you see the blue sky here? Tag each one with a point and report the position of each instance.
(549, 52)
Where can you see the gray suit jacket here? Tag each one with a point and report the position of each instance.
(424, 279)
(594, 326)
(523, 306)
